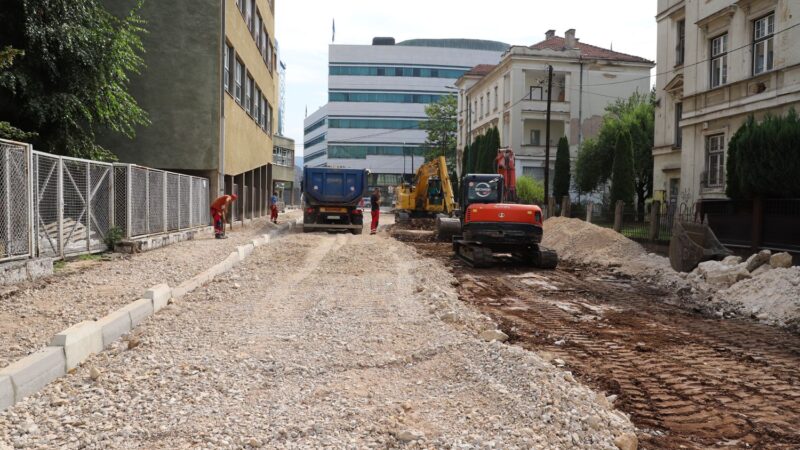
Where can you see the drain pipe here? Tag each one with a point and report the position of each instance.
(221, 164)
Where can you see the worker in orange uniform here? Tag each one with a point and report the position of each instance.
(375, 203)
(273, 216)
(219, 210)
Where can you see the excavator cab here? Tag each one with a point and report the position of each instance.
(435, 196)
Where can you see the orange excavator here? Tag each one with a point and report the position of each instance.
(491, 222)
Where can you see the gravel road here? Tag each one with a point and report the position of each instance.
(318, 341)
(87, 290)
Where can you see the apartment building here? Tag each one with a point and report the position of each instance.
(719, 61)
(512, 96)
(210, 85)
(376, 100)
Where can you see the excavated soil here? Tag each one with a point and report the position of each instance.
(687, 381)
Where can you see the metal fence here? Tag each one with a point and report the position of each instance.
(58, 206)
(15, 198)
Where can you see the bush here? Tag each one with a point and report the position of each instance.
(530, 190)
(113, 237)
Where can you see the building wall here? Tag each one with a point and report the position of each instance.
(722, 109)
(571, 103)
(178, 86)
(385, 56)
(247, 145)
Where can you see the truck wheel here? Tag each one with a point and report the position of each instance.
(357, 230)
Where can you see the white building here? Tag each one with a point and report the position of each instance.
(719, 62)
(512, 96)
(377, 96)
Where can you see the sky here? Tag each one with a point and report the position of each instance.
(304, 31)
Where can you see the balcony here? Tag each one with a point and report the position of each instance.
(535, 109)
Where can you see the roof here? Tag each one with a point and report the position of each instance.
(481, 70)
(588, 51)
(468, 44)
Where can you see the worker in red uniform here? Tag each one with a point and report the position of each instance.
(375, 201)
(273, 210)
(219, 210)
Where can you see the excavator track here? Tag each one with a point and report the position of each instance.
(544, 258)
(474, 255)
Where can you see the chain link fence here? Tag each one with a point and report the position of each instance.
(55, 206)
(15, 217)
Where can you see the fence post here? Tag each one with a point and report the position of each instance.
(88, 207)
(655, 209)
(128, 201)
(618, 216)
(33, 221)
(191, 204)
(164, 204)
(589, 206)
(566, 206)
(60, 199)
(551, 206)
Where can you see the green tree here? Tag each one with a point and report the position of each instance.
(441, 128)
(622, 174)
(561, 178)
(530, 190)
(68, 78)
(634, 117)
(764, 158)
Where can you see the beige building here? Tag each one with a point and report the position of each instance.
(512, 96)
(719, 61)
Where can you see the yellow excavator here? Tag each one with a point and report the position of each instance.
(428, 195)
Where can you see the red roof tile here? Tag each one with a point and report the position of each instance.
(481, 69)
(588, 51)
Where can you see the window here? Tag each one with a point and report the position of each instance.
(475, 111)
(239, 73)
(257, 104)
(496, 99)
(257, 31)
(249, 12)
(226, 76)
(248, 95)
(315, 141)
(481, 106)
(264, 45)
(262, 122)
(506, 88)
(715, 160)
(678, 131)
(362, 151)
(719, 61)
(314, 125)
(536, 93)
(314, 156)
(241, 5)
(537, 173)
(536, 137)
(382, 97)
(488, 101)
(269, 119)
(680, 47)
(394, 71)
(388, 124)
(763, 43)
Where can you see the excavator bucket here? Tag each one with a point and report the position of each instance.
(693, 243)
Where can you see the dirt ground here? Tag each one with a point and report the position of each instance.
(687, 381)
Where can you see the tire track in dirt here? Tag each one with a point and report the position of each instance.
(687, 381)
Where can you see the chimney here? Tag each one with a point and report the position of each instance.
(549, 34)
(569, 38)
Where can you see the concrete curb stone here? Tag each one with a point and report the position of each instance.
(79, 341)
(160, 295)
(114, 326)
(6, 392)
(35, 371)
(139, 310)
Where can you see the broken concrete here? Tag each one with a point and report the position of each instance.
(756, 260)
(14, 272)
(780, 260)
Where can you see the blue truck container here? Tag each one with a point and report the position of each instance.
(331, 199)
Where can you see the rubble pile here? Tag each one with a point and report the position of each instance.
(765, 286)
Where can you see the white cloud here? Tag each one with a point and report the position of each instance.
(304, 32)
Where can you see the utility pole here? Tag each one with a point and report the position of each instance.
(547, 138)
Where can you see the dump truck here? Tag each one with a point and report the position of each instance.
(331, 199)
(428, 195)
